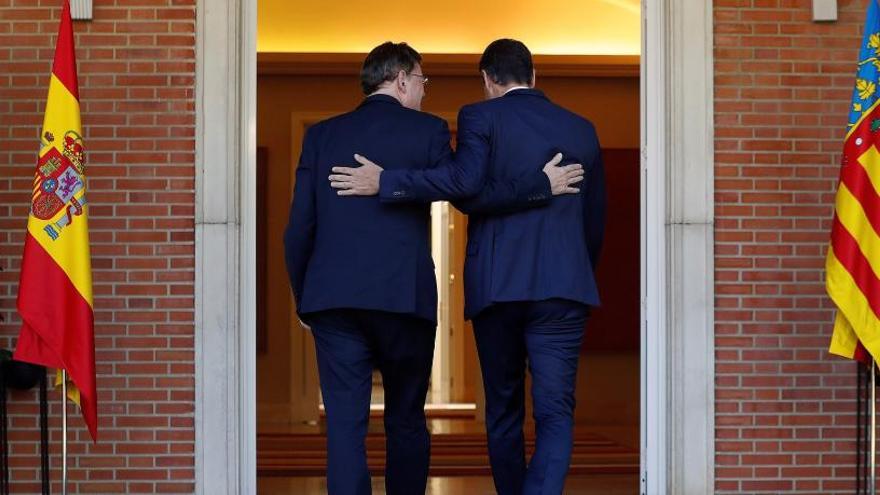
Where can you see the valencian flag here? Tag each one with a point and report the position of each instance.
(55, 291)
(853, 263)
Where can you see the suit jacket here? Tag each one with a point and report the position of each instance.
(516, 251)
(358, 252)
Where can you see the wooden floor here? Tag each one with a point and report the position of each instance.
(458, 449)
(471, 485)
(454, 454)
(292, 459)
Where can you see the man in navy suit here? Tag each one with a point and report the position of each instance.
(529, 272)
(361, 270)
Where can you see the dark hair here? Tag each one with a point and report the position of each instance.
(384, 62)
(507, 61)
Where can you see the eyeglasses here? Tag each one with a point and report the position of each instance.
(420, 76)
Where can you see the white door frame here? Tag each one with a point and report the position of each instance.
(677, 294)
(225, 247)
(678, 363)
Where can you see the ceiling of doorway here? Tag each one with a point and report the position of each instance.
(548, 27)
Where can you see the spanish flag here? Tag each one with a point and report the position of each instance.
(55, 290)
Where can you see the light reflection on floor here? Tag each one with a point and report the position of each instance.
(471, 485)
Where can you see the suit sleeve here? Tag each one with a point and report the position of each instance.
(448, 176)
(464, 174)
(299, 236)
(594, 203)
(508, 196)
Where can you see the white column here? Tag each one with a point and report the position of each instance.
(678, 282)
(225, 247)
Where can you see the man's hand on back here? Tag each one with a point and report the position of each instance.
(360, 181)
(563, 178)
(364, 180)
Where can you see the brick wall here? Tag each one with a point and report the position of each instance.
(137, 76)
(785, 409)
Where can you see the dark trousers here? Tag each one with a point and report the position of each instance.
(547, 335)
(350, 344)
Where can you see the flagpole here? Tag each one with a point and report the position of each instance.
(64, 432)
(873, 455)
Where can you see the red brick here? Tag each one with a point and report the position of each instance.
(133, 53)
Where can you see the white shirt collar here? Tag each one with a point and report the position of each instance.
(515, 88)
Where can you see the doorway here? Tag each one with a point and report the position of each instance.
(677, 448)
(296, 90)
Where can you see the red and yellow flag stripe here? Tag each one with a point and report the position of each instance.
(55, 290)
(853, 264)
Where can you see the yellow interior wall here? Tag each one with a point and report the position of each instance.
(549, 27)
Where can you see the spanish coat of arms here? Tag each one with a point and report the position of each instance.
(59, 178)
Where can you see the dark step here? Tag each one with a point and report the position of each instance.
(452, 454)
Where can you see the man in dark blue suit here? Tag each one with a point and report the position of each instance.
(361, 270)
(529, 272)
